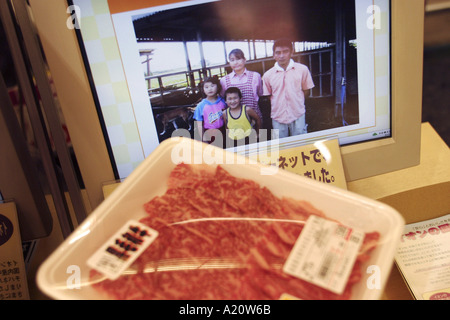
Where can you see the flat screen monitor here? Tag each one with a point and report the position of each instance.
(129, 75)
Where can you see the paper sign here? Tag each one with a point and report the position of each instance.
(320, 161)
(443, 294)
(109, 188)
(423, 257)
(13, 276)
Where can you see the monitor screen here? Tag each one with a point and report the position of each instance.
(148, 64)
(130, 74)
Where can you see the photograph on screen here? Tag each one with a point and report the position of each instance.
(340, 51)
(232, 46)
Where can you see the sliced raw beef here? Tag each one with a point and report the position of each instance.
(221, 237)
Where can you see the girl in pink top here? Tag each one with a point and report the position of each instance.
(249, 82)
(208, 113)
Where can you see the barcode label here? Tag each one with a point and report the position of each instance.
(122, 249)
(324, 254)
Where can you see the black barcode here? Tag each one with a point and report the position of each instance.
(341, 231)
(104, 262)
(355, 239)
(325, 267)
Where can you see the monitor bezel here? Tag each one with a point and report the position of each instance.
(360, 160)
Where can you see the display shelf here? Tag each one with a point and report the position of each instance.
(433, 169)
(418, 193)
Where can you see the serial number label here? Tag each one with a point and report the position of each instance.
(122, 249)
(232, 309)
(324, 254)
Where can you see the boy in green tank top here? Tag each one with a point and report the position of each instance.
(239, 119)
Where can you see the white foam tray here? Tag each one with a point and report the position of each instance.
(56, 275)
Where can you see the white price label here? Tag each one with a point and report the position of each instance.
(324, 254)
(122, 249)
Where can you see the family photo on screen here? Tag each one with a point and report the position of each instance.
(237, 72)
